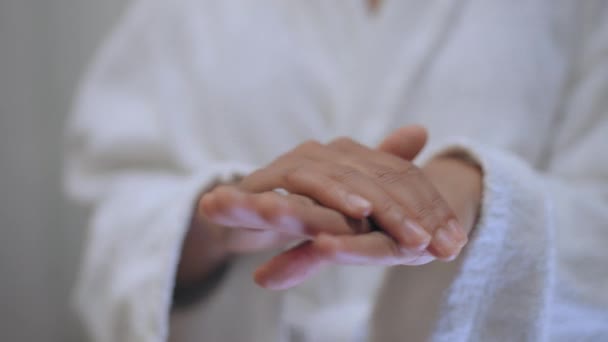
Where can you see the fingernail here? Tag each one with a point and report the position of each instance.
(457, 232)
(445, 244)
(359, 203)
(417, 234)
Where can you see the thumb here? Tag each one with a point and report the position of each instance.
(405, 142)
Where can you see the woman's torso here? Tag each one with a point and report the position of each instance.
(273, 76)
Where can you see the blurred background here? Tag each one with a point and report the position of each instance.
(44, 48)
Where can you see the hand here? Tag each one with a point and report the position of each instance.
(253, 222)
(231, 222)
(362, 182)
(460, 184)
(376, 247)
(263, 220)
(249, 211)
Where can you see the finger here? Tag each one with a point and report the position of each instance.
(311, 180)
(289, 268)
(375, 248)
(270, 177)
(339, 186)
(433, 213)
(291, 214)
(405, 142)
(313, 219)
(416, 203)
(301, 199)
(294, 266)
(303, 171)
(354, 153)
(448, 241)
(384, 188)
(422, 203)
(227, 206)
(249, 241)
(424, 207)
(387, 213)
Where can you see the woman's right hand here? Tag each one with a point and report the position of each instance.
(232, 222)
(253, 222)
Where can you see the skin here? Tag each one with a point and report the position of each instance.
(374, 5)
(347, 204)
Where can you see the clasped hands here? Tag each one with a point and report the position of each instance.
(346, 203)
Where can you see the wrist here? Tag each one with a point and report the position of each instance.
(203, 249)
(459, 181)
(204, 246)
(201, 268)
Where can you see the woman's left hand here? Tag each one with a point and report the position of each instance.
(460, 184)
(411, 207)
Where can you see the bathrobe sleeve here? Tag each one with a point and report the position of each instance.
(536, 266)
(131, 158)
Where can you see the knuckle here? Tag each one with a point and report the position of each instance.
(426, 216)
(388, 207)
(288, 158)
(295, 175)
(437, 202)
(267, 206)
(308, 145)
(389, 175)
(345, 174)
(427, 219)
(267, 198)
(330, 188)
(441, 208)
(220, 189)
(250, 182)
(299, 153)
(222, 196)
(433, 209)
(423, 211)
(382, 207)
(204, 206)
(311, 181)
(341, 142)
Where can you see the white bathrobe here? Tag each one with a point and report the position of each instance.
(187, 92)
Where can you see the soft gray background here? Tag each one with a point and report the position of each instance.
(44, 47)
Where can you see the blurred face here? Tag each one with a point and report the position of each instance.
(374, 4)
